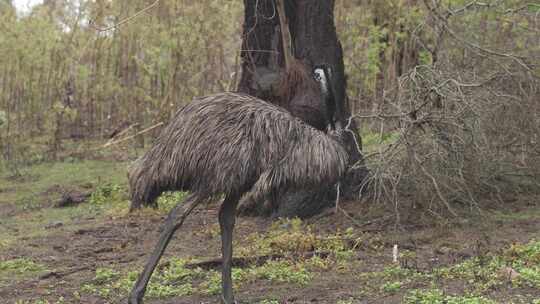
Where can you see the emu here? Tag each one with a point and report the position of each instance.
(233, 145)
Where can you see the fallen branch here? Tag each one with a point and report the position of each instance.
(108, 144)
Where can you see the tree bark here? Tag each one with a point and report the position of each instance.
(315, 43)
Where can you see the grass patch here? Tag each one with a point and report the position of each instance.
(289, 239)
(516, 267)
(19, 269)
(525, 260)
(107, 199)
(283, 272)
(528, 214)
(37, 179)
(481, 273)
(174, 279)
(389, 280)
(487, 272)
(293, 239)
(170, 199)
(435, 296)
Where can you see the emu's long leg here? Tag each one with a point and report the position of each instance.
(174, 221)
(227, 216)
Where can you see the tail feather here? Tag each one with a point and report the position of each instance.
(144, 189)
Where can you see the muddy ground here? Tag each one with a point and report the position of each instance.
(73, 247)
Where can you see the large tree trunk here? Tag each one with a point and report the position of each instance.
(315, 43)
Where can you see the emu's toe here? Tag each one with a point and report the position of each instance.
(134, 299)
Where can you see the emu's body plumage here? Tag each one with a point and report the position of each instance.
(229, 144)
(235, 143)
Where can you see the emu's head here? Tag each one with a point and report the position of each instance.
(323, 76)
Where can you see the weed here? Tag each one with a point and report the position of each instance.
(435, 296)
(284, 272)
(291, 238)
(20, 266)
(525, 259)
(371, 141)
(212, 280)
(481, 273)
(12, 271)
(105, 275)
(44, 176)
(391, 287)
(169, 199)
(173, 280)
(212, 283)
(106, 193)
(40, 301)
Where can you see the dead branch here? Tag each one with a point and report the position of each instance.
(108, 144)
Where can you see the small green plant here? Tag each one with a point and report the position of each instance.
(169, 199)
(372, 140)
(291, 238)
(482, 273)
(61, 300)
(284, 272)
(391, 287)
(435, 296)
(105, 275)
(106, 193)
(173, 280)
(20, 266)
(525, 259)
(212, 283)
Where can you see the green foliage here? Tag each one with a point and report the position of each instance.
(104, 275)
(376, 36)
(60, 300)
(525, 259)
(435, 296)
(174, 280)
(3, 119)
(482, 273)
(374, 141)
(39, 179)
(20, 266)
(293, 238)
(391, 287)
(106, 193)
(14, 270)
(283, 272)
(169, 199)
(141, 72)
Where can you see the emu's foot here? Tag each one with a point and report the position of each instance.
(228, 301)
(135, 299)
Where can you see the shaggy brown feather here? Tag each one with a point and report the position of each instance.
(232, 143)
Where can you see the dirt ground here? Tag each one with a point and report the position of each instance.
(72, 250)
